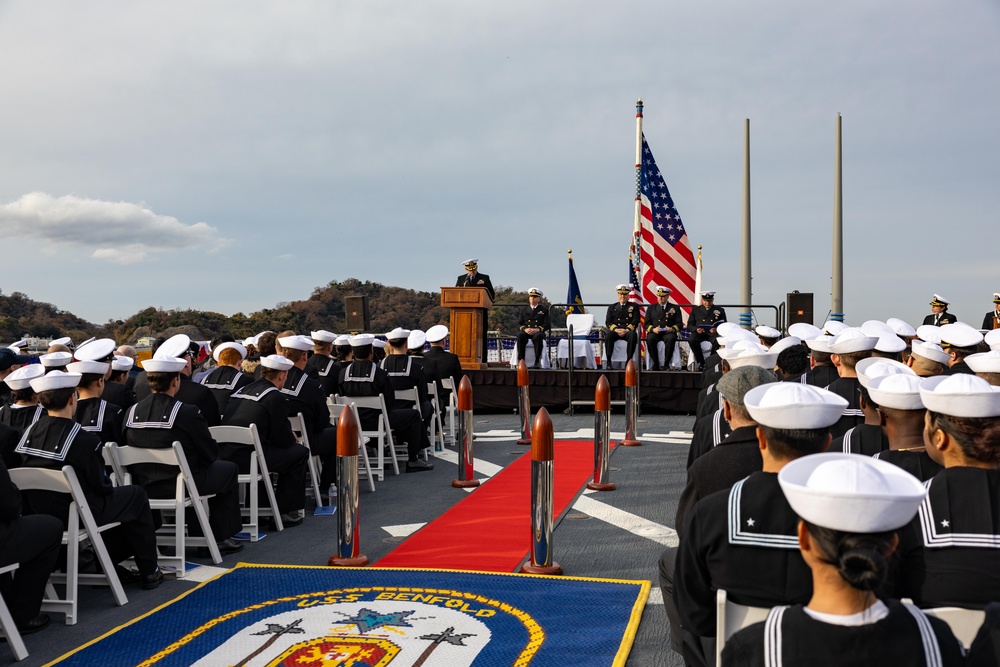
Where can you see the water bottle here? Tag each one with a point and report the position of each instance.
(331, 496)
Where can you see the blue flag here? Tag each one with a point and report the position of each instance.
(573, 296)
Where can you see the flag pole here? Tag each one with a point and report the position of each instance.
(697, 274)
(637, 228)
(746, 276)
(837, 301)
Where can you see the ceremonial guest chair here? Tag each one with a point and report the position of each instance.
(618, 359)
(583, 351)
(661, 349)
(253, 480)
(452, 407)
(10, 631)
(382, 434)
(335, 409)
(529, 355)
(730, 618)
(298, 424)
(65, 481)
(185, 495)
(437, 427)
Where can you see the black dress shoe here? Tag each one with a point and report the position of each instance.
(418, 466)
(289, 520)
(127, 575)
(152, 580)
(39, 622)
(226, 547)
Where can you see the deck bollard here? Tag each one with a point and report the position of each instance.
(348, 518)
(466, 458)
(602, 436)
(542, 454)
(631, 404)
(524, 403)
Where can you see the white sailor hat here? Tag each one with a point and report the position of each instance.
(252, 340)
(737, 333)
(984, 362)
(663, 291)
(874, 367)
(707, 296)
(785, 343)
(379, 343)
(901, 328)
(398, 333)
(437, 333)
(97, 350)
(876, 328)
(342, 339)
(622, 289)
(727, 328)
(890, 344)
(959, 334)
(804, 331)
(416, 340)
(303, 343)
(471, 263)
(322, 336)
(792, 405)
(833, 327)
(55, 359)
(362, 339)
(753, 358)
(901, 391)
(227, 345)
(851, 493)
(122, 363)
(22, 377)
(938, 300)
(534, 291)
(162, 363)
(992, 339)
(820, 343)
(65, 340)
(17, 345)
(931, 351)
(87, 366)
(54, 380)
(929, 333)
(852, 339)
(961, 395)
(175, 346)
(276, 362)
(735, 347)
(734, 385)
(765, 331)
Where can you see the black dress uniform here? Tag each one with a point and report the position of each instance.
(222, 382)
(709, 400)
(9, 438)
(306, 396)
(918, 463)
(261, 403)
(326, 370)
(847, 388)
(119, 393)
(621, 316)
(439, 364)
(865, 439)
(33, 541)
(709, 432)
(951, 557)
(940, 319)
(657, 317)
(201, 397)
(20, 417)
(960, 367)
(480, 280)
(362, 377)
(712, 371)
(704, 318)
(820, 376)
(790, 636)
(101, 418)
(155, 423)
(533, 318)
(54, 442)
(991, 320)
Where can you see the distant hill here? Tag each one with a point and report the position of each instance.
(19, 315)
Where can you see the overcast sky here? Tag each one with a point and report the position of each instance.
(228, 156)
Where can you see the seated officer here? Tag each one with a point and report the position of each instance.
(702, 323)
(533, 326)
(622, 322)
(663, 323)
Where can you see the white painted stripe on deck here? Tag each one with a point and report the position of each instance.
(484, 468)
(655, 595)
(403, 529)
(627, 521)
(203, 573)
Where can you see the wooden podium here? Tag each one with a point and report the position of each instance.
(468, 306)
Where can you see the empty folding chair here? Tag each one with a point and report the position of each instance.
(298, 424)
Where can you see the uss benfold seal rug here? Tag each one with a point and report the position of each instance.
(276, 616)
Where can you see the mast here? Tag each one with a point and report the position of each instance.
(746, 276)
(837, 287)
(637, 228)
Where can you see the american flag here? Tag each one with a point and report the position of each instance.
(665, 258)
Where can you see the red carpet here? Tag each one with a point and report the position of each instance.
(490, 529)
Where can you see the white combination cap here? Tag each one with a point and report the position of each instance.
(804, 331)
(17, 345)
(900, 327)
(437, 333)
(162, 363)
(851, 493)
(175, 346)
(767, 332)
(65, 340)
(785, 343)
(416, 340)
(852, 339)
(22, 377)
(399, 333)
(276, 362)
(323, 336)
(960, 334)
(663, 291)
(470, 263)
(55, 359)
(303, 343)
(362, 339)
(833, 327)
(95, 367)
(931, 351)
(54, 380)
(97, 350)
(791, 405)
(992, 339)
(622, 289)
(938, 300)
(342, 339)
(961, 395)
(534, 291)
(707, 295)
(899, 391)
(229, 345)
(890, 344)
(875, 367)
(122, 363)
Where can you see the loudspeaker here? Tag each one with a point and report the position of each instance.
(799, 307)
(356, 316)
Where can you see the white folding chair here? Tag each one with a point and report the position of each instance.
(7, 623)
(437, 426)
(451, 410)
(382, 434)
(247, 435)
(730, 618)
(298, 424)
(109, 461)
(186, 495)
(65, 481)
(335, 409)
(582, 355)
(410, 396)
(964, 623)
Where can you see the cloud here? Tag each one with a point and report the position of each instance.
(119, 232)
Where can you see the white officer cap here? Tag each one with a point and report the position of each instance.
(996, 297)
(163, 363)
(622, 289)
(938, 300)
(852, 339)
(471, 263)
(22, 377)
(437, 333)
(984, 362)
(323, 336)
(97, 350)
(961, 395)
(416, 340)
(122, 363)
(960, 334)
(900, 328)
(227, 345)
(56, 359)
(890, 344)
(804, 331)
(785, 343)
(175, 346)
(851, 493)
(276, 362)
(87, 366)
(874, 367)
(362, 339)
(398, 333)
(534, 291)
(54, 380)
(767, 332)
(663, 291)
(992, 339)
(901, 391)
(65, 340)
(833, 327)
(792, 405)
(17, 345)
(303, 343)
(931, 351)
(708, 296)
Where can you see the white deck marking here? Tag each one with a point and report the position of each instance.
(403, 529)
(626, 520)
(655, 595)
(203, 573)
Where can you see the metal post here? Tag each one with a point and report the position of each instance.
(571, 359)
(602, 436)
(631, 404)
(746, 275)
(348, 503)
(542, 468)
(837, 286)
(466, 457)
(523, 403)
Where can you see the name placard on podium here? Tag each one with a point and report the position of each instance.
(468, 306)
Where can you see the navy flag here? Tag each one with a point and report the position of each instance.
(573, 295)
